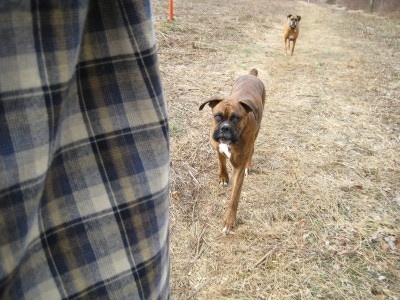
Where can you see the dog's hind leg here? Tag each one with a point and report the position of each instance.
(248, 163)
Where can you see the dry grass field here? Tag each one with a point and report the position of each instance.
(319, 215)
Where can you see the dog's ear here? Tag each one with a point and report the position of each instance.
(298, 18)
(289, 16)
(211, 102)
(248, 106)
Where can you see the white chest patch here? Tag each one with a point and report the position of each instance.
(224, 149)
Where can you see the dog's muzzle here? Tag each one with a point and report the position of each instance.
(293, 24)
(225, 133)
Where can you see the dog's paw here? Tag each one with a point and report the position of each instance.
(227, 231)
(223, 177)
(246, 172)
(223, 183)
(229, 222)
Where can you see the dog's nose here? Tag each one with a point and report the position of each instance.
(225, 127)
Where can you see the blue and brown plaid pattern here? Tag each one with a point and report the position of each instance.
(83, 152)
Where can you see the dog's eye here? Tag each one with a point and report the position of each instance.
(218, 118)
(235, 119)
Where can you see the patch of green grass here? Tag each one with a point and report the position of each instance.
(175, 129)
(175, 27)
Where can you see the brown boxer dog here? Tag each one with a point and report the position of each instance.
(236, 122)
(291, 32)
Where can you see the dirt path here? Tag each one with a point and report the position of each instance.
(319, 215)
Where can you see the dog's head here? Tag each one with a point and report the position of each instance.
(293, 21)
(230, 118)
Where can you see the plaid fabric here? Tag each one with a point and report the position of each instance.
(83, 152)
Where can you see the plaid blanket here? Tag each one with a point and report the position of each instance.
(84, 152)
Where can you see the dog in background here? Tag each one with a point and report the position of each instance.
(234, 129)
(291, 32)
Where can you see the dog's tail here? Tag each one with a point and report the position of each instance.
(253, 72)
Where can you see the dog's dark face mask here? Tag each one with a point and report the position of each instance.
(228, 122)
(225, 131)
(293, 20)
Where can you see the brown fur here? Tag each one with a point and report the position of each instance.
(290, 34)
(246, 103)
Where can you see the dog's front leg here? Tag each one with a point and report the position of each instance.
(230, 218)
(222, 171)
(293, 43)
(285, 45)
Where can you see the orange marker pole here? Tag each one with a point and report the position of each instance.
(171, 10)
